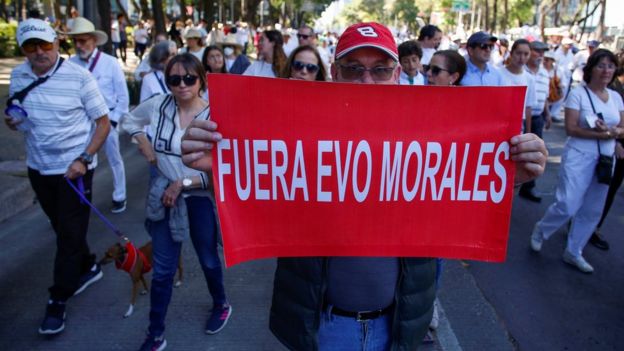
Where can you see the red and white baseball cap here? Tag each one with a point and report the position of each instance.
(367, 35)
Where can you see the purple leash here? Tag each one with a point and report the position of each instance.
(83, 200)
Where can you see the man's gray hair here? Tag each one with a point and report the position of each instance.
(160, 53)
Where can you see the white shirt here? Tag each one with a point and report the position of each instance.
(260, 68)
(143, 67)
(153, 84)
(141, 36)
(564, 60)
(111, 81)
(199, 54)
(578, 100)
(427, 55)
(115, 38)
(580, 60)
(522, 79)
(542, 88)
(419, 79)
(160, 116)
(62, 111)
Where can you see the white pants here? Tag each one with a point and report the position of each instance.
(579, 196)
(111, 146)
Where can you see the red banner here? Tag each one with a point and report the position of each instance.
(335, 169)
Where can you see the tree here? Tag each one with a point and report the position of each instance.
(406, 11)
(159, 16)
(104, 9)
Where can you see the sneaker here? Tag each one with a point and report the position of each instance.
(118, 206)
(218, 319)
(578, 262)
(54, 320)
(537, 239)
(89, 278)
(154, 344)
(597, 240)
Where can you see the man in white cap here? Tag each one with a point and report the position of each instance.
(112, 83)
(580, 60)
(64, 118)
(355, 303)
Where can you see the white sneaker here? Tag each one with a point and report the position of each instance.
(578, 262)
(537, 239)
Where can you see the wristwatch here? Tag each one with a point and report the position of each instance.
(186, 183)
(85, 158)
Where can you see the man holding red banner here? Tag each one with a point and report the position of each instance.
(354, 303)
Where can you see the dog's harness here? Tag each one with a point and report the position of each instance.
(132, 254)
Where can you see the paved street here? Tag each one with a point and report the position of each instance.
(530, 302)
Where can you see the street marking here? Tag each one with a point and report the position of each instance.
(446, 336)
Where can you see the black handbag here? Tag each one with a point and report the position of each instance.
(604, 168)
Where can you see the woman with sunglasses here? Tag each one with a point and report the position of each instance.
(594, 119)
(214, 60)
(446, 67)
(305, 63)
(179, 202)
(272, 59)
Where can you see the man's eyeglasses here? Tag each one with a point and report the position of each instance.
(175, 79)
(356, 72)
(310, 67)
(485, 46)
(303, 36)
(31, 46)
(81, 41)
(435, 70)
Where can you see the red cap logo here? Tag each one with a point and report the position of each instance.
(370, 34)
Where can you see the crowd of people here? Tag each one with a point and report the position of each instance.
(69, 108)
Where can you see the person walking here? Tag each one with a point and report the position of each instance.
(59, 108)
(480, 72)
(112, 83)
(355, 303)
(179, 203)
(594, 118)
(272, 58)
(540, 111)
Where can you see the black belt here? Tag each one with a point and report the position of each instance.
(361, 316)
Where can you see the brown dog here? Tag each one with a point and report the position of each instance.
(136, 262)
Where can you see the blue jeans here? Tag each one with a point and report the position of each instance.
(166, 253)
(338, 333)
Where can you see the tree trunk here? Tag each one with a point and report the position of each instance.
(159, 16)
(123, 11)
(494, 15)
(145, 11)
(601, 23)
(3, 11)
(505, 21)
(487, 15)
(183, 15)
(104, 10)
(57, 10)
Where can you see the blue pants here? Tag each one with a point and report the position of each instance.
(203, 228)
(338, 333)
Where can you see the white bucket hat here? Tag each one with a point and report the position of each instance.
(84, 26)
(230, 40)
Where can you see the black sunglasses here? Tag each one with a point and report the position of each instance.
(310, 67)
(435, 70)
(485, 46)
(303, 36)
(356, 72)
(175, 79)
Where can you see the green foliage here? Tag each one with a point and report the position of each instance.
(520, 12)
(8, 43)
(406, 11)
(364, 11)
